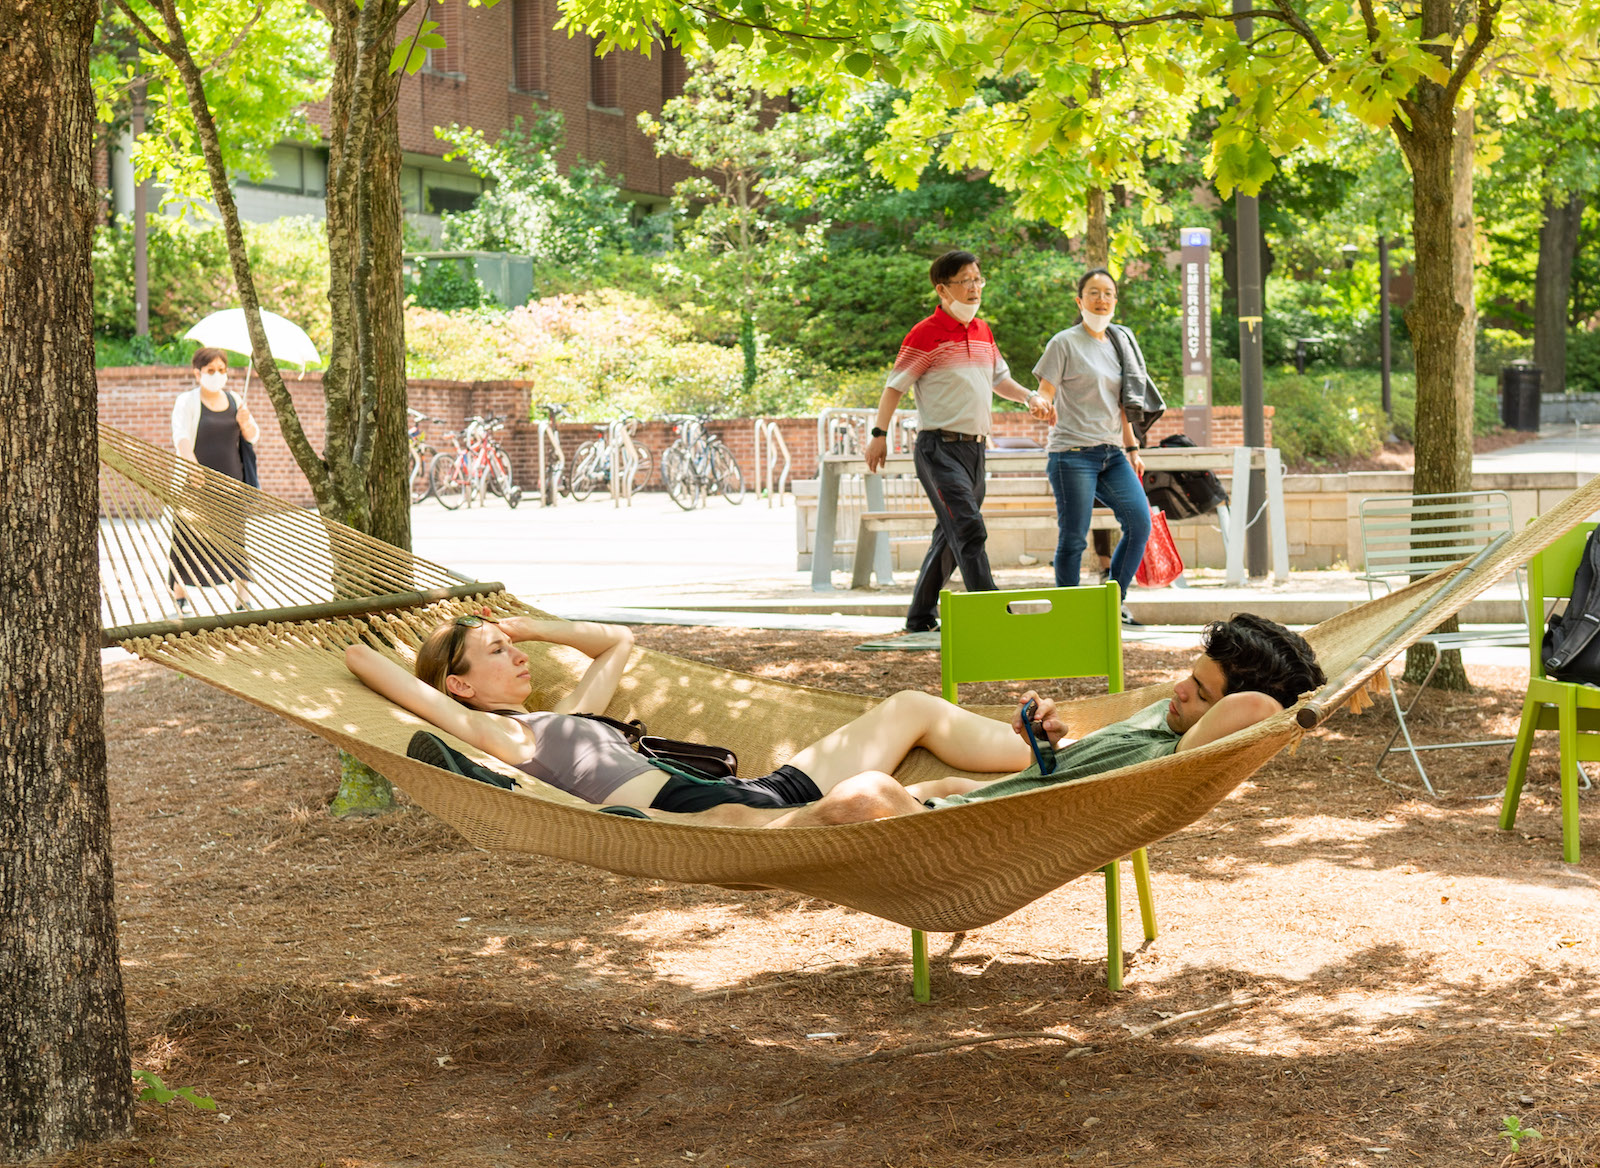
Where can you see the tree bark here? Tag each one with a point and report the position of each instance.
(1451, 673)
(1552, 287)
(64, 1060)
(1097, 235)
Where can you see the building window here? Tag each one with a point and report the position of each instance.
(674, 71)
(603, 90)
(296, 170)
(452, 27)
(527, 44)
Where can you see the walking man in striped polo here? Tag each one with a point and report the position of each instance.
(951, 363)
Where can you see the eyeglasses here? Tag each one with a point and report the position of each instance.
(969, 282)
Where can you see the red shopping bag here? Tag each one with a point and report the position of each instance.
(1161, 564)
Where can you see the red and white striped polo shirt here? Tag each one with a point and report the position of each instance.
(952, 369)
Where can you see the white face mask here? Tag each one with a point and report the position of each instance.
(1096, 320)
(213, 381)
(961, 310)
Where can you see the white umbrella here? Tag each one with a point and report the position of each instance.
(226, 330)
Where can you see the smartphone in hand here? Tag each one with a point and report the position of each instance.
(1044, 752)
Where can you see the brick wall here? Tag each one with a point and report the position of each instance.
(482, 93)
(139, 401)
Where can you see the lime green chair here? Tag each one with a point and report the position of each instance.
(1572, 710)
(1026, 635)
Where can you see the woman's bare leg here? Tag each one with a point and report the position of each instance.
(881, 738)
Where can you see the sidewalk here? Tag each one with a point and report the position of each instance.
(733, 565)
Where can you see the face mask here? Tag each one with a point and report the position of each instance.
(1096, 320)
(961, 310)
(213, 381)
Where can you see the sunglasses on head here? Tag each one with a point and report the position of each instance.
(470, 621)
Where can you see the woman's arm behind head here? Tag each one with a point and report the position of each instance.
(506, 739)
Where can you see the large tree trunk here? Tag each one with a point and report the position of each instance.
(64, 1063)
(1451, 673)
(1552, 288)
(364, 255)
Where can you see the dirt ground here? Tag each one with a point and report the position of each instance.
(1376, 978)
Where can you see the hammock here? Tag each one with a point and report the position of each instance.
(948, 870)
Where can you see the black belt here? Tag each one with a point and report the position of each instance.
(951, 436)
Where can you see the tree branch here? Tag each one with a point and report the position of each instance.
(1487, 11)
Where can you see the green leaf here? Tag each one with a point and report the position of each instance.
(860, 64)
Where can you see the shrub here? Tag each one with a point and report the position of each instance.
(1497, 348)
(1583, 361)
(190, 276)
(444, 284)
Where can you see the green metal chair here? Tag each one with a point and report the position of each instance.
(1571, 710)
(1026, 635)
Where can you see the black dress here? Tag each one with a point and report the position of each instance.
(218, 555)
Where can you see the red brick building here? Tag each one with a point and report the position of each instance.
(500, 63)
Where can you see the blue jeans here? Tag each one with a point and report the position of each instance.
(1081, 477)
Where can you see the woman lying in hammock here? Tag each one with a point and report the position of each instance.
(471, 680)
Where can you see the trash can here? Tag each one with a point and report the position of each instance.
(1519, 396)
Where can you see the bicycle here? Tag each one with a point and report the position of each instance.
(422, 454)
(592, 462)
(477, 468)
(698, 464)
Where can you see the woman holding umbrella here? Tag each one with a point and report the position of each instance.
(208, 426)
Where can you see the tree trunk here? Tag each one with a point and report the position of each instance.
(1552, 288)
(1097, 236)
(64, 1061)
(1451, 673)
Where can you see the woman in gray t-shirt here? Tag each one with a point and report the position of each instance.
(1093, 454)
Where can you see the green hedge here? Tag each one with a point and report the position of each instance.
(190, 276)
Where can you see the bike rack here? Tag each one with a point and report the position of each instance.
(624, 462)
(769, 436)
(547, 436)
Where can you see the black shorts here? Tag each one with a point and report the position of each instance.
(785, 787)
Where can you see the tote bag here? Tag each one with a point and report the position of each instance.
(1161, 564)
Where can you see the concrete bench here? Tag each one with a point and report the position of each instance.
(876, 525)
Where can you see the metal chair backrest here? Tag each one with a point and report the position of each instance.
(1407, 536)
(1032, 633)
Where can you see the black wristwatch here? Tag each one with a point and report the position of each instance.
(879, 432)
(1130, 449)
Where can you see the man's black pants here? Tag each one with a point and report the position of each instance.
(952, 475)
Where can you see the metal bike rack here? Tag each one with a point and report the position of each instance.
(769, 438)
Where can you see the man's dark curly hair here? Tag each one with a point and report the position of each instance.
(1261, 655)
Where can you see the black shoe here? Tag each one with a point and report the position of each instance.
(922, 626)
(429, 748)
(1127, 620)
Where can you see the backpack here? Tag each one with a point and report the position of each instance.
(1571, 651)
(1183, 494)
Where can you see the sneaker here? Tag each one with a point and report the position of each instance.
(429, 748)
(626, 812)
(1127, 620)
(927, 626)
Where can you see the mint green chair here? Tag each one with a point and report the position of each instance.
(1026, 635)
(1571, 710)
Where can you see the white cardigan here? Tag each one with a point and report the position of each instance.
(186, 419)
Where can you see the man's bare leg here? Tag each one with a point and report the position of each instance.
(881, 738)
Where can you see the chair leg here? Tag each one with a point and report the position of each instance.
(1402, 728)
(1569, 776)
(1519, 763)
(1141, 881)
(921, 989)
(1113, 926)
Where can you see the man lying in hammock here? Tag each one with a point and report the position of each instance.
(471, 680)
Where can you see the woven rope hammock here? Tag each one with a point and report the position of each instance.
(957, 868)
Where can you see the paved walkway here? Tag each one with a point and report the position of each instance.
(734, 565)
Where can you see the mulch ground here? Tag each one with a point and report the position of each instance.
(1346, 974)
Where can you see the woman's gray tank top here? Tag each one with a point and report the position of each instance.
(579, 755)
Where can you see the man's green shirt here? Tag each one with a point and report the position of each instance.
(1142, 738)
